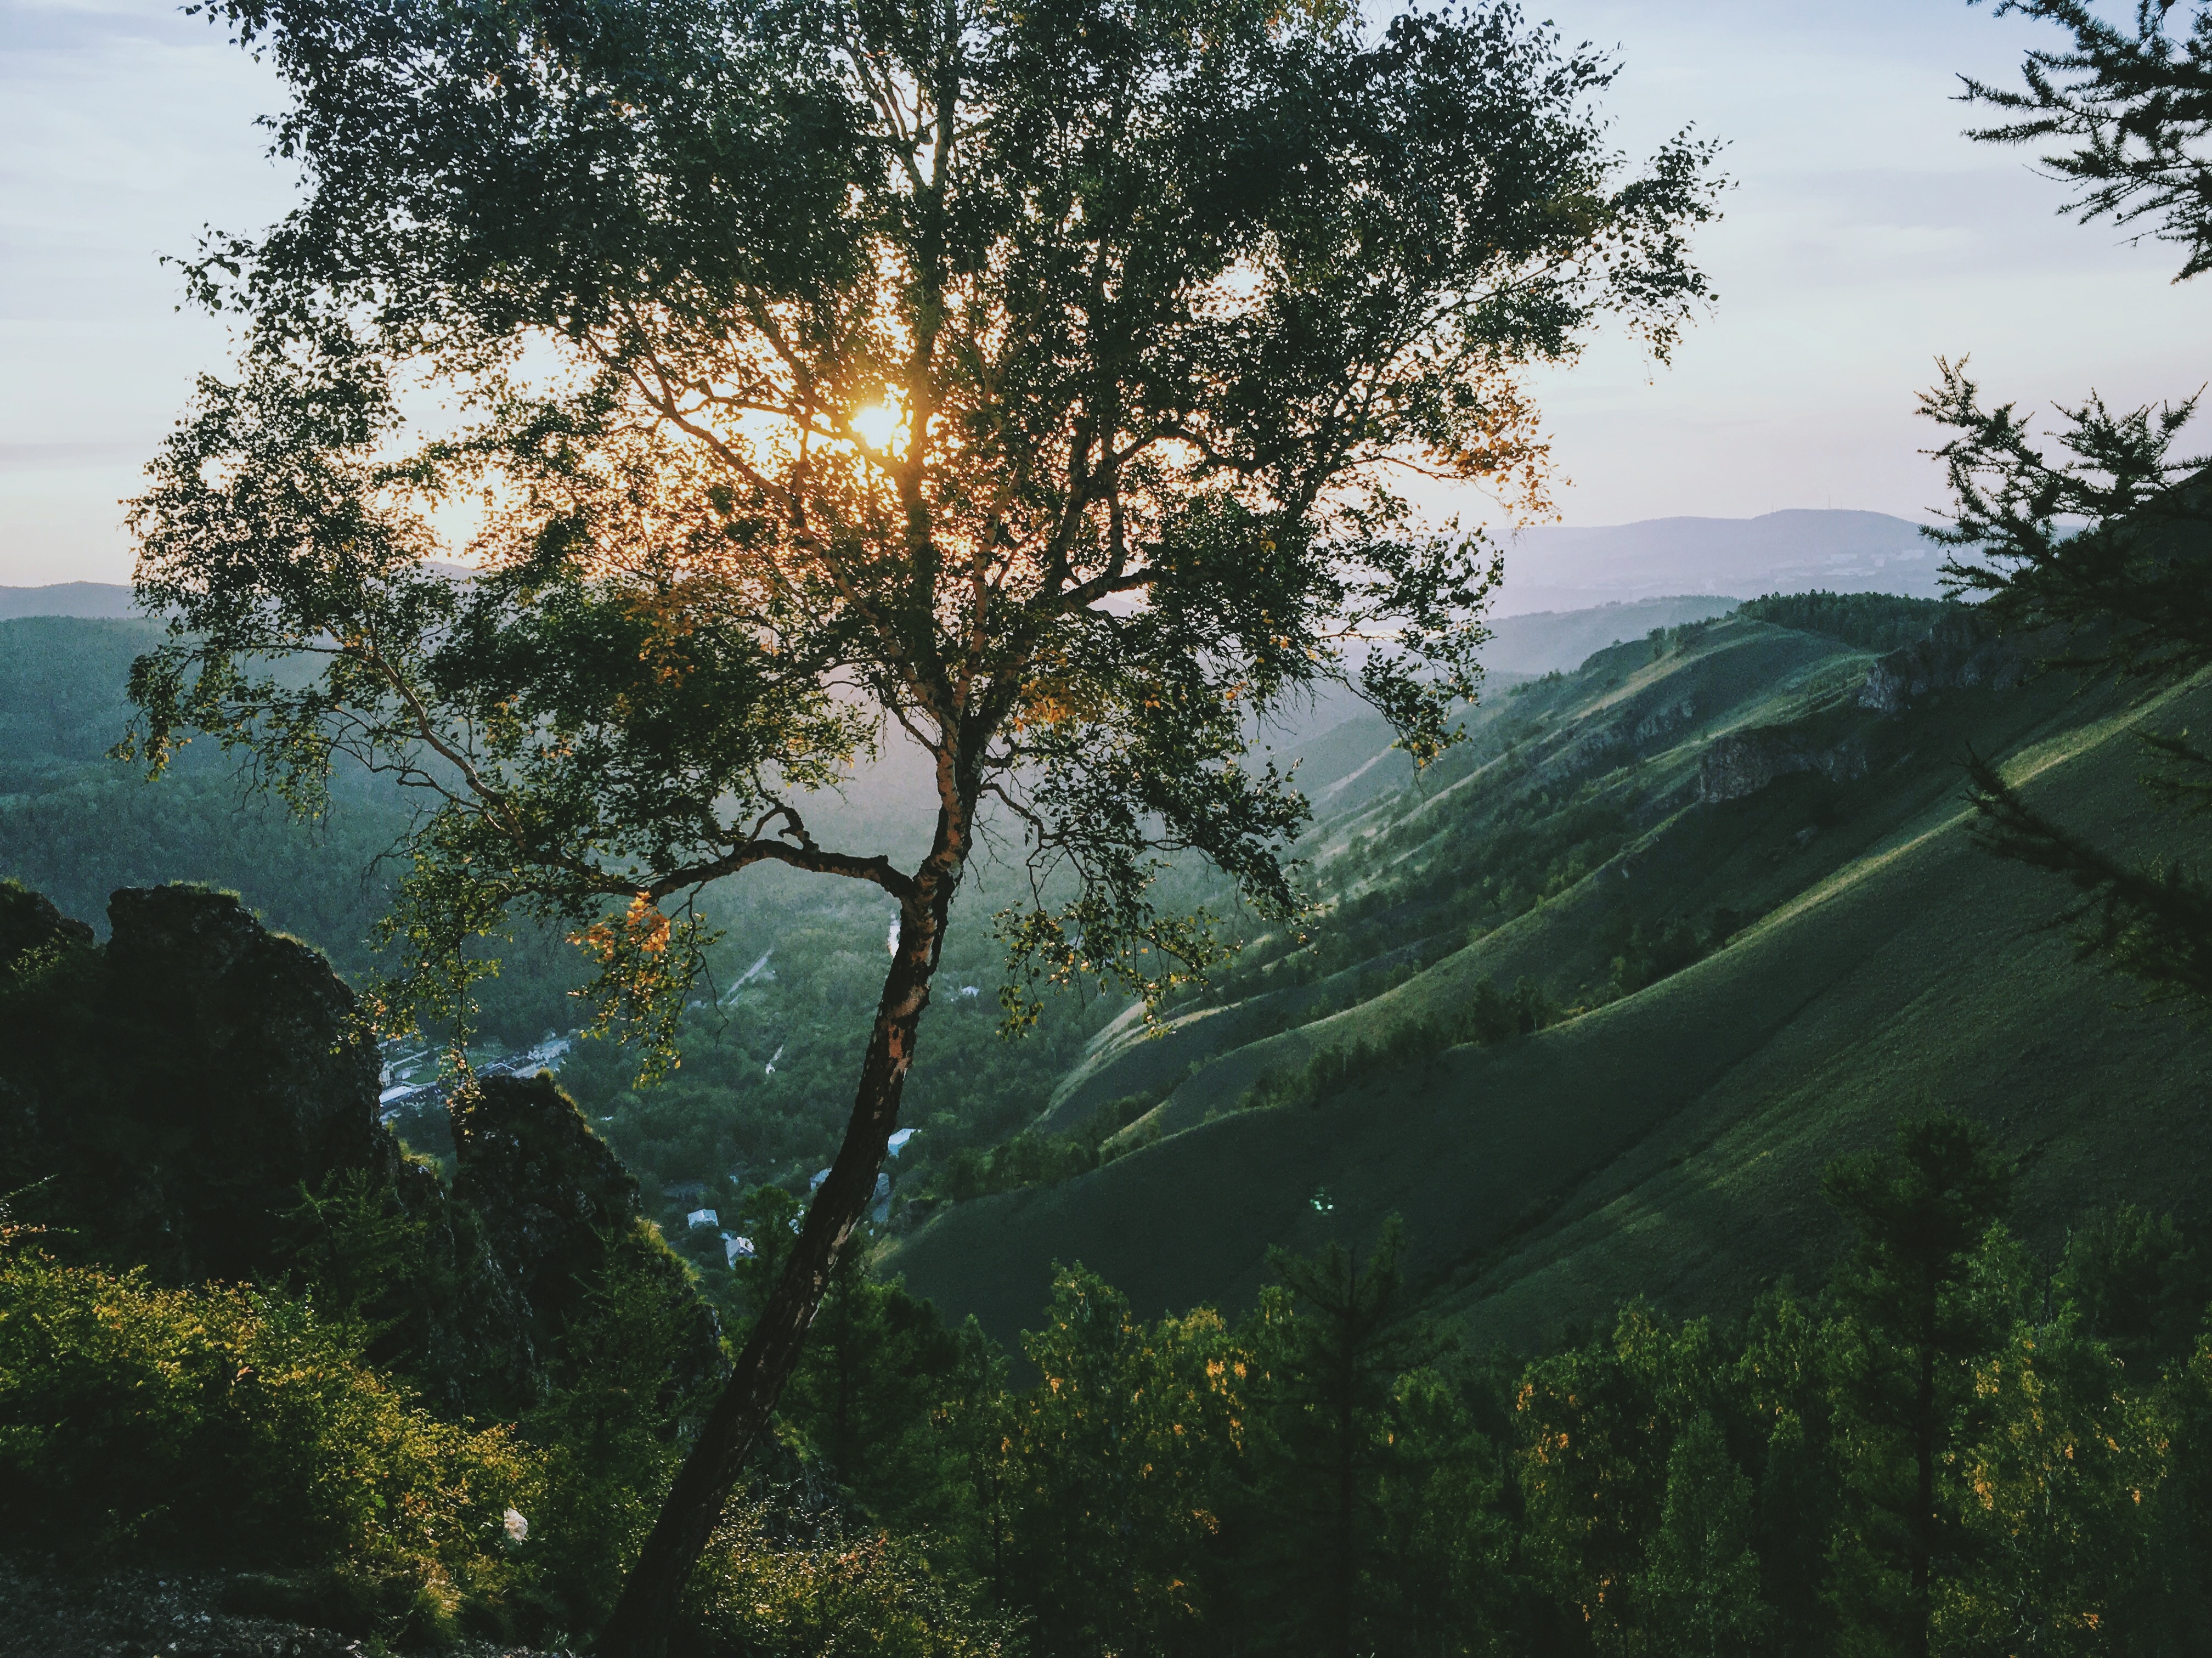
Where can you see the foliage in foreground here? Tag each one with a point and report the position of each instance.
(237, 1428)
(223, 1427)
(1956, 1449)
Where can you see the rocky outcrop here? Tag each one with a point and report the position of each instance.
(173, 1092)
(198, 1097)
(1959, 651)
(33, 932)
(1743, 763)
(557, 1209)
(1665, 720)
(251, 1072)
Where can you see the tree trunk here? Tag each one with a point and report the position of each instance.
(644, 1616)
(1344, 1567)
(1922, 1537)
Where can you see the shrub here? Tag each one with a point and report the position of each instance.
(829, 1594)
(231, 1427)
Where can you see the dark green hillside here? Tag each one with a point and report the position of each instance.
(62, 699)
(76, 825)
(1666, 1141)
(1562, 777)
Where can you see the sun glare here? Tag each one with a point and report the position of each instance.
(877, 426)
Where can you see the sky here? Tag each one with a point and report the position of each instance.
(1863, 236)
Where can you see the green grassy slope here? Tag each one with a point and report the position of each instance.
(1620, 743)
(1668, 1143)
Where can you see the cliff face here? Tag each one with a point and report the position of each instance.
(174, 1089)
(560, 1213)
(1959, 651)
(1741, 763)
(198, 1097)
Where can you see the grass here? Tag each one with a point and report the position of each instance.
(1668, 1143)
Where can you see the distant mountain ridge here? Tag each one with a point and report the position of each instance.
(1548, 567)
(1562, 568)
(97, 599)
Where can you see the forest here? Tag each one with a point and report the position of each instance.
(1954, 1445)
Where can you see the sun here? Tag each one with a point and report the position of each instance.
(877, 426)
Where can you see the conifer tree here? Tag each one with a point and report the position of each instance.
(2135, 99)
(1334, 1363)
(2101, 533)
(1912, 1330)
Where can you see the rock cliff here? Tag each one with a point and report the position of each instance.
(1959, 651)
(198, 1097)
(1741, 763)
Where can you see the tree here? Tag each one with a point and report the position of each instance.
(1117, 1461)
(1702, 1579)
(1598, 1425)
(2106, 548)
(2137, 102)
(1911, 1331)
(1438, 1580)
(878, 1364)
(2135, 1286)
(2104, 539)
(2074, 1544)
(1783, 1375)
(1027, 382)
(1334, 1361)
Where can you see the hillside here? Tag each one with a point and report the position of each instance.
(1668, 1140)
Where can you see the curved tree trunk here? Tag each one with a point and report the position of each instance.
(644, 1616)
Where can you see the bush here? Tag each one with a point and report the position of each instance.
(829, 1594)
(229, 1427)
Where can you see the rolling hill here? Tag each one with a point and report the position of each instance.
(1788, 793)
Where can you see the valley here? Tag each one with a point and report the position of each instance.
(1725, 859)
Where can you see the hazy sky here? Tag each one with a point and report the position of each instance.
(1864, 236)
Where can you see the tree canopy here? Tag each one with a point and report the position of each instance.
(2136, 105)
(654, 406)
(1039, 382)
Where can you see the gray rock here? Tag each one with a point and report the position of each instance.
(199, 1098)
(1959, 651)
(1742, 763)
